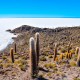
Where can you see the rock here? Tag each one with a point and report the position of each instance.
(9, 30)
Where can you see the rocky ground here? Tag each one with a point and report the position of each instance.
(61, 69)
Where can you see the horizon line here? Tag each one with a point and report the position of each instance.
(34, 16)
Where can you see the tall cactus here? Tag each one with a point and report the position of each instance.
(33, 58)
(12, 55)
(37, 46)
(15, 47)
(77, 49)
(78, 59)
(55, 52)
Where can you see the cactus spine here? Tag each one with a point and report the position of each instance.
(33, 58)
(12, 55)
(15, 47)
(55, 52)
(78, 59)
(37, 46)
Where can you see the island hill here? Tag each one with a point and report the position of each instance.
(61, 35)
(48, 37)
(58, 57)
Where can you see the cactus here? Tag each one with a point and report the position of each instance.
(33, 58)
(77, 49)
(70, 54)
(66, 55)
(69, 47)
(61, 56)
(78, 59)
(37, 46)
(55, 52)
(12, 55)
(15, 47)
(56, 59)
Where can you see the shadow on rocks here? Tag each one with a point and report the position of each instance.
(43, 69)
(41, 78)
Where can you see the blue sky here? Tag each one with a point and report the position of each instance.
(40, 8)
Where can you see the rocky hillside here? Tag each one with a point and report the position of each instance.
(63, 68)
(48, 37)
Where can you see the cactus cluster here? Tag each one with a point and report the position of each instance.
(34, 49)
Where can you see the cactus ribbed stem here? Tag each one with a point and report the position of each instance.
(15, 47)
(37, 46)
(33, 58)
(12, 55)
(70, 55)
(55, 52)
(78, 59)
(66, 55)
(77, 49)
(61, 56)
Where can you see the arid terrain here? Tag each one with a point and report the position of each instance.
(63, 68)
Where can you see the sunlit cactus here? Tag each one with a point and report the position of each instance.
(70, 54)
(56, 59)
(61, 56)
(77, 49)
(55, 52)
(12, 55)
(78, 59)
(15, 47)
(37, 46)
(66, 55)
(33, 58)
